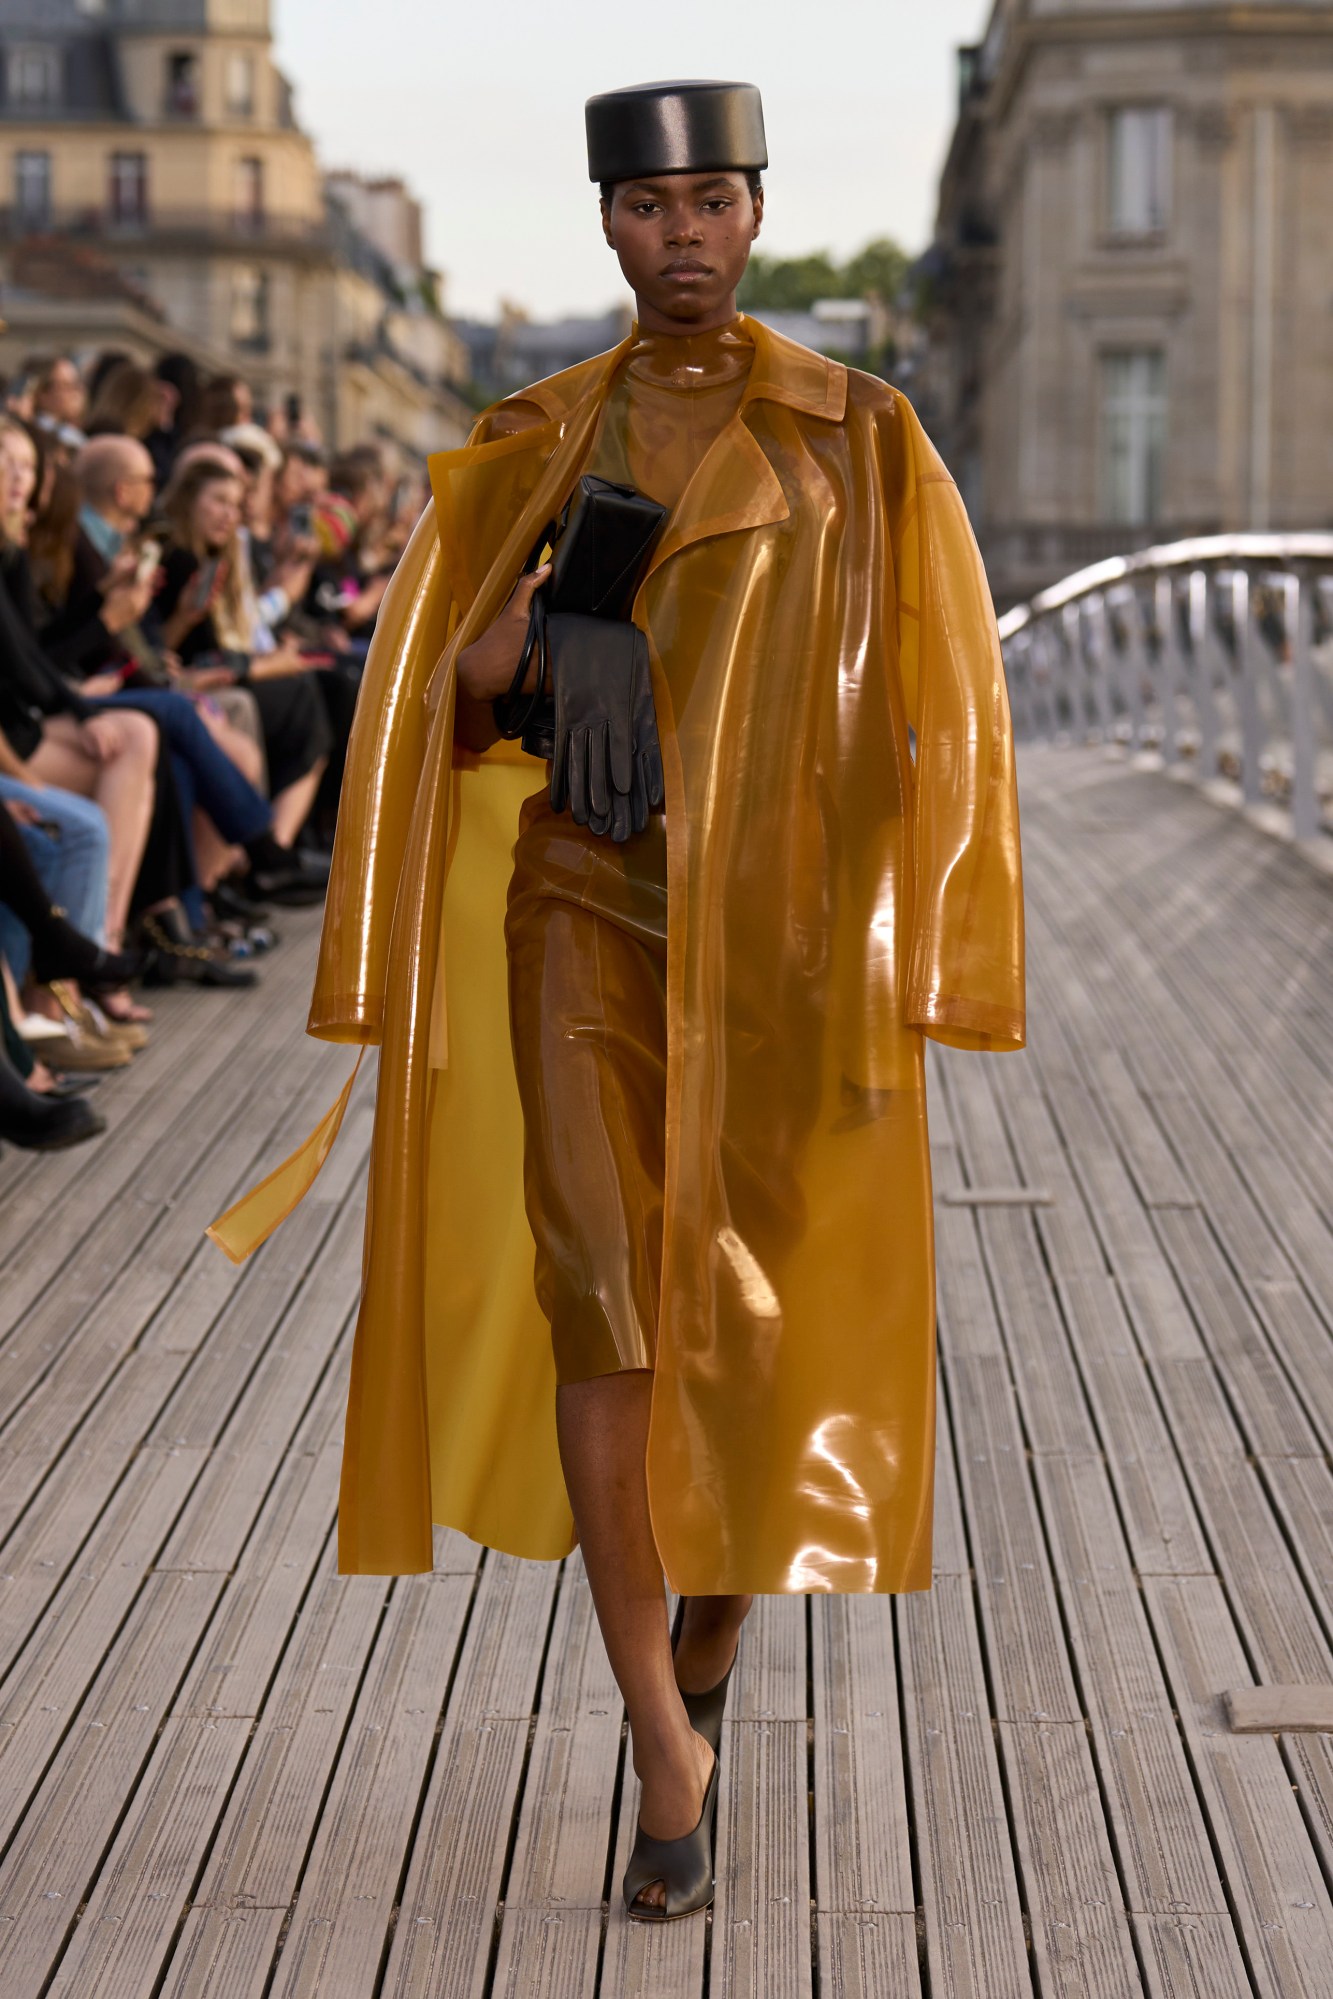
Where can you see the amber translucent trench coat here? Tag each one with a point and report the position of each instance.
(843, 880)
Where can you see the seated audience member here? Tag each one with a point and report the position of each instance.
(353, 505)
(108, 754)
(299, 482)
(280, 582)
(126, 404)
(224, 400)
(205, 613)
(59, 403)
(56, 947)
(67, 843)
(61, 952)
(96, 636)
(178, 384)
(36, 1120)
(100, 367)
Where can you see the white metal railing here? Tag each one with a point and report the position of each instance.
(1217, 653)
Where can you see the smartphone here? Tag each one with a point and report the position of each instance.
(150, 561)
(205, 582)
(293, 408)
(301, 519)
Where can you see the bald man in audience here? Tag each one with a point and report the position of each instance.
(117, 488)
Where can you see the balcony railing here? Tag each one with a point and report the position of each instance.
(169, 228)
(1216, 654)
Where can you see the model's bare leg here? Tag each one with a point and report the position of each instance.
(707, 1643)
(603, 1431)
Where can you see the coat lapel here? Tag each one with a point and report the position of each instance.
(735, 486)
(493, 499)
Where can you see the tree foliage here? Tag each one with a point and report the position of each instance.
(792, 284)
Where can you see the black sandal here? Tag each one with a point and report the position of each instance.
(684, 1867)
(705, 1710)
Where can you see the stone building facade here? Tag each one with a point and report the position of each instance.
(1130, 293)
(161, 134)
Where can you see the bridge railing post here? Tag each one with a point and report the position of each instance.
(1299, 623)
(1218, 644)
(1201, 671)
(1247, 687)
(1168, 663)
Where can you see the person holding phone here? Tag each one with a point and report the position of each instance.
(96, 637)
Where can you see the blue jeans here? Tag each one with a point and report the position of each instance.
(205, 775)
(72, 864)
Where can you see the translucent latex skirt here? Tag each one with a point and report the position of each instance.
(586, 933)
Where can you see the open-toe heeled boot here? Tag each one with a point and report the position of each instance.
(707, 1709)
(684, 1867)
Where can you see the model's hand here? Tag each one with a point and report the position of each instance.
(487, 667)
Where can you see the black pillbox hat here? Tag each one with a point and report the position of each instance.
(675, 128)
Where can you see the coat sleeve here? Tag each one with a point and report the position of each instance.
(965, 976)
(420, 614)
(384, 763)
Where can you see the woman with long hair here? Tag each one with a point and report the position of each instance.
(205, 613)
(125, 404)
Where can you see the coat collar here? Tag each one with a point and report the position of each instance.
(782, 372)
(734, 488)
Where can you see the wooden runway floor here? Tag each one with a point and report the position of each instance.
(226, 1772)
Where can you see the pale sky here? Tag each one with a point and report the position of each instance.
(479, 106)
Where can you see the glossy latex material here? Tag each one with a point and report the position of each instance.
(815, 606)
(587, 937)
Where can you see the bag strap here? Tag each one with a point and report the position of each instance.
(508, 720)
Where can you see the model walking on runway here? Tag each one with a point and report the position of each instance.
(660, 1009)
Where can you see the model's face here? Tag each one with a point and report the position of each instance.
(683, 241)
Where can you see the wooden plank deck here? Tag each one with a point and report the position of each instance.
(226, 1773)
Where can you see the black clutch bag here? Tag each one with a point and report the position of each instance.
(600, 549)
(603, 727)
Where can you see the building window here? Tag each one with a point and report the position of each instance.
(240, 86)
(32, 189)
(1133, 442)
(1139, 170)
(182, 84)
(248, 193)
(32, 75)
(129, 187)
(249, 306)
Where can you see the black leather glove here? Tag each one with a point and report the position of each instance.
(606, 765)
